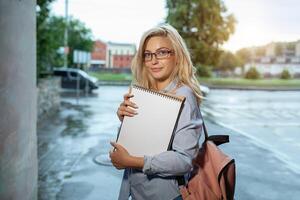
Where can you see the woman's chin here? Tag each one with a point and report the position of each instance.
(156, 76)
(160, 78)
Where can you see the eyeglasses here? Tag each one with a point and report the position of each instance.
(159, 54)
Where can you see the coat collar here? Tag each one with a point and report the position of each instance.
(170, 86)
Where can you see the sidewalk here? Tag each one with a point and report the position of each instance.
(71, 139)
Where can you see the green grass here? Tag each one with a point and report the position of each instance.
(247, 82)
(235, 82)
(111, 76)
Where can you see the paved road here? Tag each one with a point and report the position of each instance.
(271, 119)
(70, 140)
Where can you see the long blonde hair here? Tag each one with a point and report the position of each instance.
(184, 69)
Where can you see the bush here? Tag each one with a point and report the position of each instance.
(285, 74)
(203, 71)
(252, 73)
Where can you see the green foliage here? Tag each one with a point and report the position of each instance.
(204, 24)
(228, 61)
(291, 46)
(204, 71)
(285, 74)
(43, 44)
(244, 55)
(260, 83)
(79, 37)
(50, 37)
(252, 73)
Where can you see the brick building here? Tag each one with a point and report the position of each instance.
(119, 55)
(99, 54)
(112, 55)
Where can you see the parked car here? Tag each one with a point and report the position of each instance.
(69, 78)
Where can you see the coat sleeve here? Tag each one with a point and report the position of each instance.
(185, 143)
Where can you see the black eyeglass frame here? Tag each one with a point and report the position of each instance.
(170, 52)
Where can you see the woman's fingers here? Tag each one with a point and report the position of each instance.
(127, 96)
(127, 107)
(128, 111)
(129, 103)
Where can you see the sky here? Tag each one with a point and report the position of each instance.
(258, 21)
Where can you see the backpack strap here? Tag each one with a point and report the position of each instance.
(217, 139)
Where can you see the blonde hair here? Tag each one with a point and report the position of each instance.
(184, 69)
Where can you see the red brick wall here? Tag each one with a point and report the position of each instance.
(99, 50)
(122, 61)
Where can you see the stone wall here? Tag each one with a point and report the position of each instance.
(48, 100)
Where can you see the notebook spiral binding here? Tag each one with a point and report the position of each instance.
(157, 93)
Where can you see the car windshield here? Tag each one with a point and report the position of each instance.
(85, 75)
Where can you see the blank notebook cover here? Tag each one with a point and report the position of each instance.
(151, 131)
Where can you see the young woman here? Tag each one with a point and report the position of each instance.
(161, 63)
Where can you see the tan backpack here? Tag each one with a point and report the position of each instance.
(213, 174)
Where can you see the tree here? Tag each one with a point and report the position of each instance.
(204, 24)
(204, 71)
(244, 55)
(228, 61)
(43, 41)
(285, 74)
(252, 73)
(79, 37)
(260, 51)
(50, 37)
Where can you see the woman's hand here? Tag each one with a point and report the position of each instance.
(126, 107)
(121, 159)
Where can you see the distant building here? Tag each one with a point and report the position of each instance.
(112, 55)
(270, 50)
(119, 55)
(272, 65)
(297, 49)
(99, 54)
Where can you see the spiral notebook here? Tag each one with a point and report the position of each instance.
(151, 131)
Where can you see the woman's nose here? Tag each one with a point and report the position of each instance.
(154, 60)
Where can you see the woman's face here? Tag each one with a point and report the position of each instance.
(162, 64)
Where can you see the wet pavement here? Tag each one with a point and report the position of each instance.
(71, 140)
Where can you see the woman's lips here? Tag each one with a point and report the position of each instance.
(156, 69)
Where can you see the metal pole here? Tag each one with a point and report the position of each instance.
(66, 49)
(77, 84)
(86, 82)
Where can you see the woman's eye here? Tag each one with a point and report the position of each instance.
(162, 53)
(147, 55)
